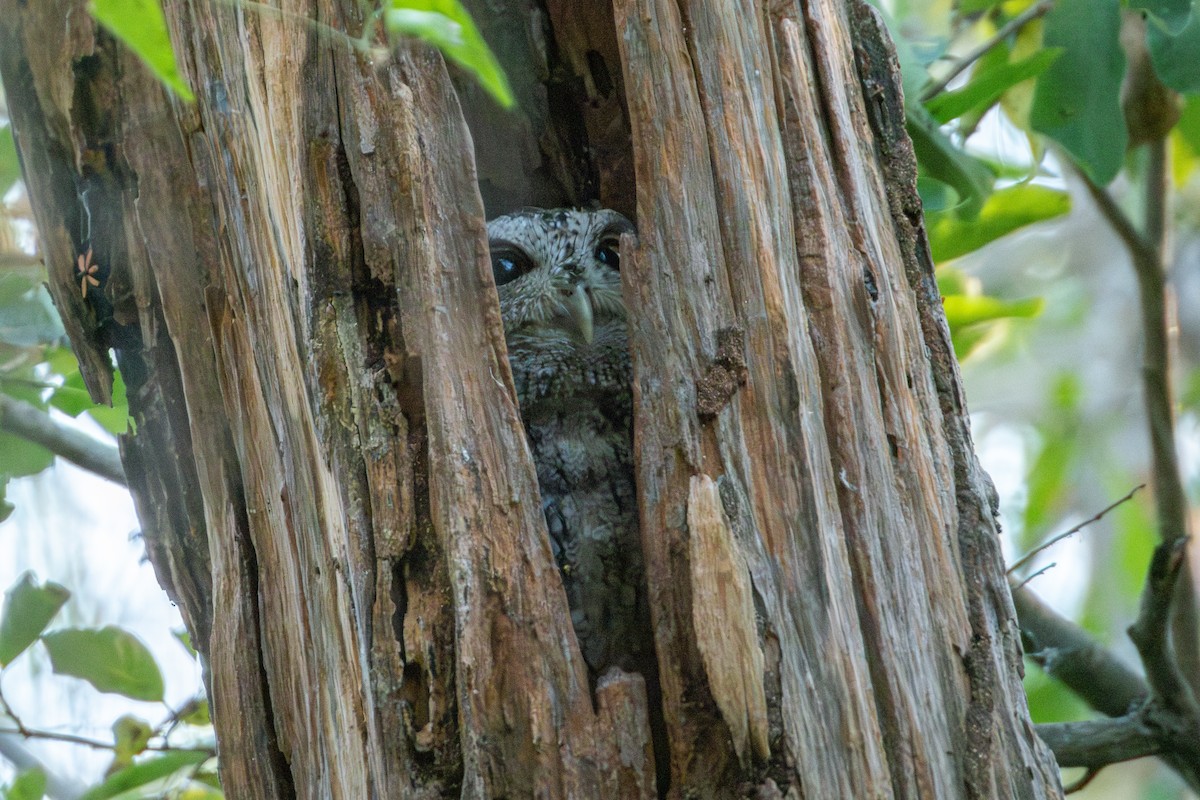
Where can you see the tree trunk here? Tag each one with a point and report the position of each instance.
(328, 460)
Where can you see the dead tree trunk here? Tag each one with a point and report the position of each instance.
(330, 468)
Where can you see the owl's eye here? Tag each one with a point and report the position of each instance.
(608, 255)
(508, 265)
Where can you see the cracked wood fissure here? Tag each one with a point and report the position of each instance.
(329, 465)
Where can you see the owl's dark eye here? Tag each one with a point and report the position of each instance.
(607, 254)
(508, 265)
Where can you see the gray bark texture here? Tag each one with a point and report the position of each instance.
(329, 463)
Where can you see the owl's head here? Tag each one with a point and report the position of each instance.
(557, 272)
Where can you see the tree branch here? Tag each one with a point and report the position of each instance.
(1150, 632)
(1069, 654)
(28, 422)
(1099, 742)
(1146, 254)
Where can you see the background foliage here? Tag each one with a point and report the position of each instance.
(1014, 107)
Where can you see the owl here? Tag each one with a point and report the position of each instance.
(558, 276)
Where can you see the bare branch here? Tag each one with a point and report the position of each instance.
(28, 422)
(1146, 255)
(1030, 577)
(98, 744)
(1097, 743)
(1069, 653)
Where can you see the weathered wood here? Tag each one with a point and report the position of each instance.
(329, 463)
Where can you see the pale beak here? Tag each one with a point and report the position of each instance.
(579, 306)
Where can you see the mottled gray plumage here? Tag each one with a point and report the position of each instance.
(564, 319)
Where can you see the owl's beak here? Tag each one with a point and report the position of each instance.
(579, 306)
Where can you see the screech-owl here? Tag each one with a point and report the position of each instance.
(557, 274)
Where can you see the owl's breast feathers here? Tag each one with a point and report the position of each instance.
(559, 289)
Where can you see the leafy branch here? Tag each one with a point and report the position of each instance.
(112, 660)
(960, 65)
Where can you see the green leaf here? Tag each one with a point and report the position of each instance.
(1077, 100)
(140, 24)
(1168, 15)
(940, 159)
(115, 418)
(28, 609)
(10, 165)
(1189, 123)
(968, 7)
(201, 789)
(962, 310)
(145, 772)
(110, 659)
(1133, 545)
(1049, 481)
(185, 639)
(195, 712)
(26, 384)
(1047, 700)
(72, 397)
(987, 85)
(29, 785)
(131, 735)
(20, 457)
(18, 282)
(968, 340)
(210, 779)
(1176, 55)
(27, 315)
(6, 508)
(951, 280)
(1189, 396)
(447, 25)
(935, 195)
(1004, 212)
(61, 361)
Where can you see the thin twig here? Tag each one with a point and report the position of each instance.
(1023, 560)
(97, 744)
(1041, 571)
(1010, 27)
